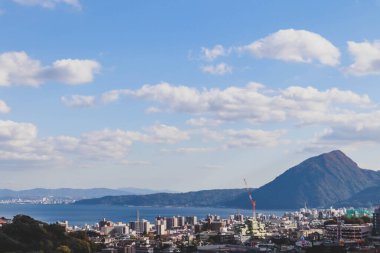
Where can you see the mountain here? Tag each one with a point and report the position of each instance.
(70, 193)
(204, 198)
(319, 181)
(365, 198)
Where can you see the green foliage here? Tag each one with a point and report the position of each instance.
(330, 222)
(28, 235)
(355, 220)
(63, 249)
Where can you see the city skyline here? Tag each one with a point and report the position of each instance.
(183, 95)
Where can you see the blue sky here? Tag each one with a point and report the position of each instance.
(183, 95)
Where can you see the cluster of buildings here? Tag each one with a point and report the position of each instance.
(50, 200)
(303, 229)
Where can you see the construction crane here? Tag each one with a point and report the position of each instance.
(253, 202)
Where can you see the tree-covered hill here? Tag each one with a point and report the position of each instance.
(26, 234)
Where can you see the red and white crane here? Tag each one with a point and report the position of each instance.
(253, 202)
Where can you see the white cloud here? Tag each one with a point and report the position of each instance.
(113, 95)
(189, 150)
(72, 71)
(219, 69)
(328, 96)
(17, 68)
(253, 138)
(245, 138)
(4, 108)
(366, 58)
(213, 53)
(351, 131)
(49, 3)
(19, 141)
(200, 122)
(16, 134)
(161, 133)
(252, 103)
(152, 110)
(78, 101)
(295, 46)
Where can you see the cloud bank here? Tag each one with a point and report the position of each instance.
(17, 68)
(50, 4)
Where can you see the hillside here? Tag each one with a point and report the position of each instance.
(365, 198)
(28, 235)
(319, 181)
(197, 199)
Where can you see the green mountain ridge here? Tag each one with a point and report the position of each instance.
(205, 198)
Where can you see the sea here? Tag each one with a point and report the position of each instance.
(80, 215)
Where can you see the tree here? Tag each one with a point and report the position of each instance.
(63, 249)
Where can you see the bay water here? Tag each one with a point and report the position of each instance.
(80, 215)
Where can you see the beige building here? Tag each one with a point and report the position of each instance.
(348, 232)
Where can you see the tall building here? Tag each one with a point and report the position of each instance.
(181, 221)
(191, 220)
(171, 222)
(376, 221)
(141, 227)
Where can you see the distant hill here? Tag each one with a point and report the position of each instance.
(204, 198)
(319, 181)
(71, 193)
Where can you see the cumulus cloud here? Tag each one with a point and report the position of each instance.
(19, 141)
(252, 103)
(50, 4)
(218, 69)
(244, 138)
(113, 95)
(189, 150)
(16, 134)
(213, 53)
(161, 133)
(366, 58)
(17, 68)
(356, 129)
(253, 138)
(230, 139)
(201, 122)
(295, 46)
(4, 108)
(78, 101)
